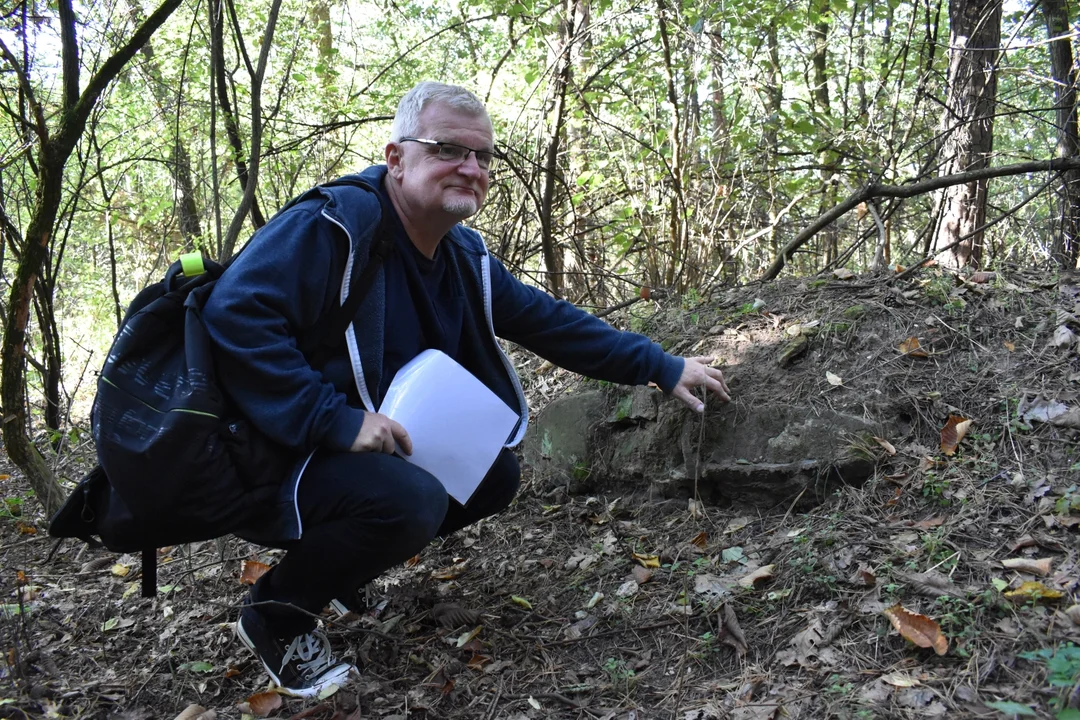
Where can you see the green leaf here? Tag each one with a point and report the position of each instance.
(732, 554)
(198, 666)
(1011, 708)
(1069, 714)
(110, 624)
(522, 602)
(999, 584)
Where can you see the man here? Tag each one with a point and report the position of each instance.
(352, 509)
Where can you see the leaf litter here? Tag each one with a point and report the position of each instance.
(736, 610)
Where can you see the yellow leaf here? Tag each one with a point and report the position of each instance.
(120, 570)
(649, 561)
(888, 446)
(1039, 567)
(1032, 590)
(518, 600)
(1011, 347)
(762, 573)
(917, 628)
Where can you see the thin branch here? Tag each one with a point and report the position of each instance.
(70, 53)
(39, 126)
(907, 191)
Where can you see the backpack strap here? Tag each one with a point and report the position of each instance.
(329, 331)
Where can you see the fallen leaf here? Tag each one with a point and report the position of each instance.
(120, 570)
(762, 573)
(736, 524)
(464, 638)
(912, 348)
(981, 277)
(649, 561)
(4, 477)
(1024, 542)
(886, 445)
(20, 577)
(251, 571)
(596, 597)
(25, 528)
(231, 672)
(900, 680)
(413, 561)
(1073, 613)
(478, 661)
(1032, 590)
(864, 576)
(581, 627)
(928, 523)
(518, 600)
(1011, 347)
(1039, 567)
(1063, 337)
(449, 573)
(452, 615)
(730, 632)
(917, 628)
(834, 379)
(641, 574)
(843, 274)
(196, 712)
(627, 589)
(954, 431)
(1012, 709)
(264, 703)
(700, 540)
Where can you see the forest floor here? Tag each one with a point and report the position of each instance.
(621, 605)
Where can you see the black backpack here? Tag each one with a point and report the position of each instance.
(177, 462)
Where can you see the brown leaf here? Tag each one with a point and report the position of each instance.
(196, 712)
(644, 292)
(762, 573)
(917, 628)
(25, 528)
(1024, 542)
(478, 661)
(1039, 567)
(864, 576)
(954, 431)
(449, 573)
(452, 615)
(700, 540)
(251, 571)
(1011, 347)
(413, 561)
(981, 277)
(930, 522)
(264, 703)
(843, 274)
(641, 574)
(912, 348)
(730, 632)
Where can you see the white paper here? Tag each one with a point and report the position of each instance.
(457, 425)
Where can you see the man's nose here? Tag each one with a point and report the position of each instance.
(471, 167)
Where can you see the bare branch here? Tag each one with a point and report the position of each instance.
(70, 54)
(39, 126)
(906, 191)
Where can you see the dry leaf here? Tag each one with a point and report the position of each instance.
(954, 431)
(834, 379)
(981, 277)
(465, 638)
(1039, 567)
(120, 570)
(25, 528)
(518, 600)
(264, 703)
(1032, 590)
(912, 348)
(762, 573)
(478, 661)
(449, 573)
(900, 680)
(730, 632)
(1011, 347)
(251, 571)
(917, 628)
(196, 712)
(700, 540)
(1074, 613)
(930, 522)
(864, 576)
(452, 615)
(888, 446)
(649, 561)
(413, 561)
(641, 574)
(843, 274)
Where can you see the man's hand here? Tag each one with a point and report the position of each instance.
(378, 433)
(697, 373)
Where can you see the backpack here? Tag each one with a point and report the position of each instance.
(177, 462)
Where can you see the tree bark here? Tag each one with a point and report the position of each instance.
(968, 126)
(1066, 244)
(53, 152)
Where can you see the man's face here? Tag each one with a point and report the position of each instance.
(431, 187)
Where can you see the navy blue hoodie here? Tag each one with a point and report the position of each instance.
(301, 264)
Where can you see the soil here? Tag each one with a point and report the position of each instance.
(625, 603)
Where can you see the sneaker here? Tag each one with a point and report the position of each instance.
(301, 666)
(355, 602)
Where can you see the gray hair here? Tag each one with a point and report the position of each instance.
(407, 119)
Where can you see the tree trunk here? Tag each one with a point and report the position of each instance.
(968, 127)
(677, 231)
(1062, 66)
(820, 92)
(53, 152)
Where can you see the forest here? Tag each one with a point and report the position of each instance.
(653, 154)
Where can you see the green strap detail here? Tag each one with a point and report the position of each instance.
(192, 263)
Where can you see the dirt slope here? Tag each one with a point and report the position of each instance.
(624, 603)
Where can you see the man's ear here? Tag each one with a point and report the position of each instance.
(394, 160)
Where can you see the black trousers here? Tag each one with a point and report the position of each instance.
(362, 514)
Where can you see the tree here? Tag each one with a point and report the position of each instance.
(967, 127)
(1066, 244)
(55, 141)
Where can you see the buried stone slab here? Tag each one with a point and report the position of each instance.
(764, 456)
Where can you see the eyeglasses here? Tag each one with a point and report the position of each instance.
(459, 154)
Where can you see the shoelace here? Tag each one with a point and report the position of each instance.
(313, 651)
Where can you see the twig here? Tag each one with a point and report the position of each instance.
(548, 696)
(571, 641)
